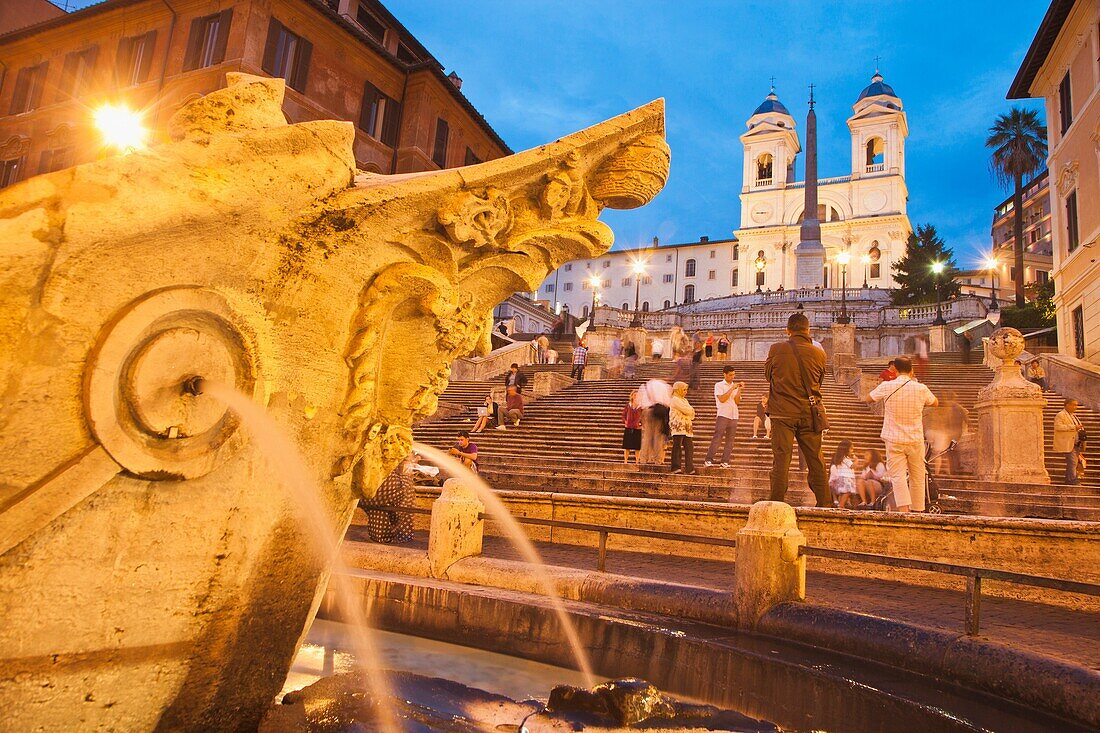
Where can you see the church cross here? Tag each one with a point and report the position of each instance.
(773, 83)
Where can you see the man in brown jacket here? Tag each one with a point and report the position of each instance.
(789, 408)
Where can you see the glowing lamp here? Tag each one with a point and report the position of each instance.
(843, 258)
(937, 268)
(121, 127)
(638, 267)
(594, 281)
(865, 259)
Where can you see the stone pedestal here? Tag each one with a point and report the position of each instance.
(941, 338)
(1010, 417)
(456, 527)
(810, 265)
(845, 368)
(768, 570)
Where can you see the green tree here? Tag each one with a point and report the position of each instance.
(1018, 141)
(914, 273)
(1037, 313)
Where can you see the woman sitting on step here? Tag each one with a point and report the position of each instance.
(488, 414)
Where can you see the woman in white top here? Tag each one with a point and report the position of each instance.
(872, 479)
(842, 477)
(681, 415)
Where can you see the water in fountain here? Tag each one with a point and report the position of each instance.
(305, 495)
(514, 532)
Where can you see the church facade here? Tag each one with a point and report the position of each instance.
(862, 213)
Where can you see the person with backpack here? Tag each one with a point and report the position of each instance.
(903, 402)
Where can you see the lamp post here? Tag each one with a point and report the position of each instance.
(937, 270)
(760, 263)
(866, 260)
(843, 258)
(994, 313)
(639, 270)
(594, 283)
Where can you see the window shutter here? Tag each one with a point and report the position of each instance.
(224, 21)
(39, 83)
(301, 69)
(122, 60)
(148, 46)
(369, 109)
(391, 122)
(194, 44)
(90, 57)
(19, 97)
(67, 87)
(44, 161)
(274, 28)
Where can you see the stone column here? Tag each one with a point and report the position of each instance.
(1010, 417)
(844, 352)
(768, 570)
(456, 527)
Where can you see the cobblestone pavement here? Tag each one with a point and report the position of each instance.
(1051, 630)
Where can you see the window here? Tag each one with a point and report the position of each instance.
(585, 285)
(28, 88)
(666, 278)
(645, 306)
(471, 157)
(568, 266)
(1065, 104)
(647, 280)
(626, 306)
(568, 286)
(1042, 276)
(439, 150)
(405, 56)
(370, 24)
(207, 41)
(1073, 235)
(689, 293)
(606, 284)
(734, 283)
(606, 264)
(736, 252)
(689, 268)
(287, 55)
(55, 159)
(549, 288)
(764, 169)
(713, 254)
(135, 59)
(876, 270)
(875, 150)
(759, 278)
(1079, 332)
(76, 74)
(379, 115)
(668, 303)
(668, 258)
(712, 275)
(626, 282)
(584, 313)
(10, 171)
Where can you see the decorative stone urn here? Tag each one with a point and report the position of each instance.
(154, 572)
(1010, 417)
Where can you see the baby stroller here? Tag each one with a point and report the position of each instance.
(931, 490)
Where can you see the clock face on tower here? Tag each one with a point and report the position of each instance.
(761, 213)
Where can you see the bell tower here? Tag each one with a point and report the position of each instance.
(771, 145)
(879, 129)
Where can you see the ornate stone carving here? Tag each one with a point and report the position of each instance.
(15, 147)
(633, 175)
(476, 218)
(1067, 178)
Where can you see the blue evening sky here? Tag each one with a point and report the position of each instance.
(538, 70)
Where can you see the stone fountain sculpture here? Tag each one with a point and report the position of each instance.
(153, 577)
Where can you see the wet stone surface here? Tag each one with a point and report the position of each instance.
(342, 704)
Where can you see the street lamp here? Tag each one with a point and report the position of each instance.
(120, 127)
(843, 258)
(866, 260)
(937, 270)
(594, 281)
(760, 264)
(638, 267)
(994, 313)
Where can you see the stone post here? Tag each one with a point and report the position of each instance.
(1010, 417)
(844, 352)
(941, 338)
(768, 570)
(457, 528)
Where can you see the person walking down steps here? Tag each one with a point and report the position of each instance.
(681, 415)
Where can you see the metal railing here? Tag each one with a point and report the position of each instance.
(973, 577)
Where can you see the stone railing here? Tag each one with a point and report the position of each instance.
(1072, 377)
(616, 318)
(481, 368)
(962, 309)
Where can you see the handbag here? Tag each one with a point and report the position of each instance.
(819, 420)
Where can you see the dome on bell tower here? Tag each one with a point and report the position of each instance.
(878, 89)
(771, 104)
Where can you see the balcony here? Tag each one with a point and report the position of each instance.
(876, 168)
(762, 183)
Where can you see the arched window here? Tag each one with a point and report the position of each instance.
(626, 306)
(689, 268)
(764, 170)
(645, 306)
(734, 283)
(875, 150)
(668, 304)
(585, 312)
(689, 290)
(760, 278)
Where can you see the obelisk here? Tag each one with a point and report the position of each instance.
(810, 254)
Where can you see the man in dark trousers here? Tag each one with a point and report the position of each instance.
(515, 378)
(789, 408)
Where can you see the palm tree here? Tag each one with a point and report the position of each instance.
(1019, 144)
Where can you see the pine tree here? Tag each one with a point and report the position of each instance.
(913, 273)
